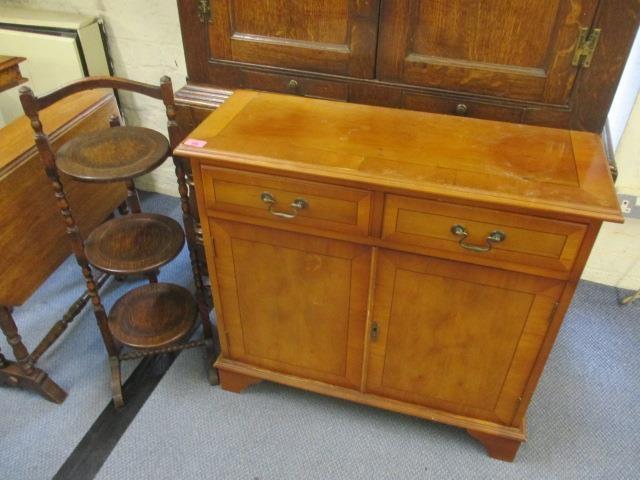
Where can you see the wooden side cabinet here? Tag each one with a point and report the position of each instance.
(415, 262)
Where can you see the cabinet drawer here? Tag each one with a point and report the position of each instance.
(287, 200)
(463, 108)
(540, 242)
(295, 85)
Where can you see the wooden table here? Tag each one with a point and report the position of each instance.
(415, 262)
(34, 241)
(10, 75)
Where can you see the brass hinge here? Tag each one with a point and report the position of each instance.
(204, 10)
(374, 331)
(586, 47)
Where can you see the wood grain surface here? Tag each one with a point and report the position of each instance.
(405, 313)
(541, 169)
(508, 60)
(33, 241)
(10, 74)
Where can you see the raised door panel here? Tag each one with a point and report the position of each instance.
(292, 303)
(329, 36)
(457, 337)
(519, 49)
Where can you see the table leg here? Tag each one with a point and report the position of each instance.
(22, 373)
(3, 361)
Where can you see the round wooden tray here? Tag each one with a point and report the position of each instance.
(136, 243)
(153, 316)
(117, 153)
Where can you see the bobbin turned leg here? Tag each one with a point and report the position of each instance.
(116, 382)
(22, 373)
(497, 447)
(77, 246)
(203, 306)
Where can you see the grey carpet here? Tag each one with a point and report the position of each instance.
(37, 436)
(581, 422)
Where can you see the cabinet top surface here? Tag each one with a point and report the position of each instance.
(542, 169)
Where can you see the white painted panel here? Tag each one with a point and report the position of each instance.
(145, 43)
(615, 259)
(43, 18)
(51, 61)
(93, 49)
(625, 95)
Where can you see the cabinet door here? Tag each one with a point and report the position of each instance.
(520, 49)
(329, 36)
(456, 337)
(292, 303)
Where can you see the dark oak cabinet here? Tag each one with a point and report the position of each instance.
(546, 62)
(330, 36)
(515, 49)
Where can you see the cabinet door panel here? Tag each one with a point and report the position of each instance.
(331, 36)
(457, 337)
(520, 49)
(292, 303)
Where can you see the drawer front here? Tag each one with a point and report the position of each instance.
(463, 108)
(287, 201)
(481, 233)
(295, 85)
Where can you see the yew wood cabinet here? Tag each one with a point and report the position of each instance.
(416, 262)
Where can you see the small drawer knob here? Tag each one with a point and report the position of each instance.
(293, 85)
(461, 109)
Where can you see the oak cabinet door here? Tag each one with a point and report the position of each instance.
(329, 36)
(456, 337)
(519, 49)
(292, 303)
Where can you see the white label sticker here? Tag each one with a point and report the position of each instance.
(192, 142)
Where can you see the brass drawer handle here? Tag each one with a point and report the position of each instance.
(297, 205)
(494, 237)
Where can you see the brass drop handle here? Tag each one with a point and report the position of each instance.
(494, 237)
(297, 205)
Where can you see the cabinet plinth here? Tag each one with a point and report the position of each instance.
(414, 262)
